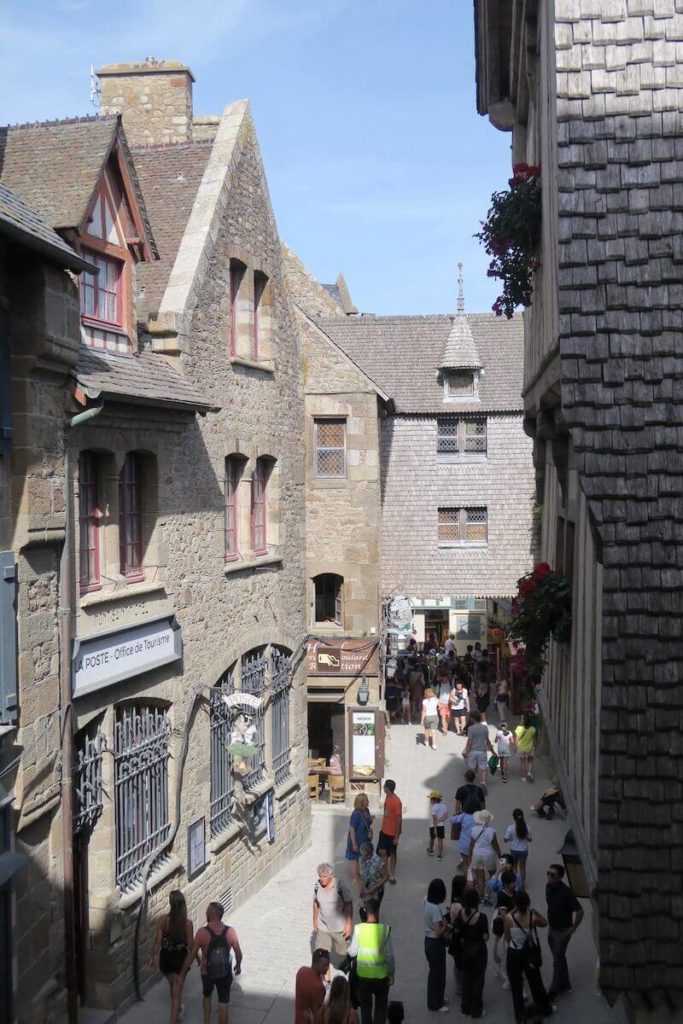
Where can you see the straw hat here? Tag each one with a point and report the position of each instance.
(435, 795)
(483, 817)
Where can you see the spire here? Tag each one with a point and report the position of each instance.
(460, 351)
(461, 294)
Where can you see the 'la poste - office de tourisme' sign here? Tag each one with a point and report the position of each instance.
(107, 658)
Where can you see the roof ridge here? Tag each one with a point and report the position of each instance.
(83, 119)
(194, 143)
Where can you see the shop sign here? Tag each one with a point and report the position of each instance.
(342, 657)
(399, 614)
(107, 658)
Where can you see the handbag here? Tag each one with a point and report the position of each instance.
(456, 828)
(494, 761)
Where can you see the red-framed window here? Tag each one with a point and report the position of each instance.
(233, 472)
(259, 538)
(260, 282)
(88, 523)
(101, 294)
(236, 275)
(130, 517)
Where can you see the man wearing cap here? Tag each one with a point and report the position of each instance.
(375, 965)
(438, 813)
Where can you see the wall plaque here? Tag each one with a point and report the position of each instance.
(107, 658)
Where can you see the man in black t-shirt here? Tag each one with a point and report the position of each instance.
(469, 792)
(564, 917)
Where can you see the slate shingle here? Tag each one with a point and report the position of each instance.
(144, 378)
(18, 221)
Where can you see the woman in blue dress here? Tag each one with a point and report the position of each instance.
(360, 831)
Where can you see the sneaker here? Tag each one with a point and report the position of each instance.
(392, 881)
(439, 857)
(181, 1011)
(506, 985)
(443, 1009)
(430, 853)
(523, 778)
(529, 777)
(504, 778)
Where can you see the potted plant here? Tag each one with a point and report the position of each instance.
(541, 610)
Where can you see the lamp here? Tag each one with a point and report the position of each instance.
(576, 875)
(363, 691)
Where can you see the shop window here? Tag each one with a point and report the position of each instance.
(462, 526)
(329, 606)
(330, 447)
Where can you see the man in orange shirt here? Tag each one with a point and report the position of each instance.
(309, 991)
(390, 830)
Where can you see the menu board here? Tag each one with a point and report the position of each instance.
(363, 744)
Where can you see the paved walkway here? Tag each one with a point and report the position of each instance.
(274, 926)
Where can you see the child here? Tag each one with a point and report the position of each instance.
(405, 705)
(438, 812)
(525, 737)
(504, 740)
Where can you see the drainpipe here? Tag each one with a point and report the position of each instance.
(82, 417)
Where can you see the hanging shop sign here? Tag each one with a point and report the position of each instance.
(107, 658)
(332, 657)
(399, 614)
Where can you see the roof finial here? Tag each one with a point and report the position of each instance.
(461, 295)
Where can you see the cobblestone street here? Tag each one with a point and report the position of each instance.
(274, 926)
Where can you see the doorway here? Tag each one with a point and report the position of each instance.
(325, 728)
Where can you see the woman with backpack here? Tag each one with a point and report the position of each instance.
(518, 835)
(473, 929)
(524, 956)
(174, 938)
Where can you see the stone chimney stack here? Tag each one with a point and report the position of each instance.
(154, 97)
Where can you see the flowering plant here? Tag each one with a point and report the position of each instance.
(542, 609)
(510, 234)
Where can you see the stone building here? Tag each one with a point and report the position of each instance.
(184, 507)
(593, 92)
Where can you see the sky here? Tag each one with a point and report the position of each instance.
(377, 162)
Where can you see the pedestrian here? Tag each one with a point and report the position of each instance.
(443, 693)
(473, 927)
(518, 835)
(469, 791)
(215, 942)
(478, 743)
(565, 914)
(360, 831)
(458, 888)
(461, 832)
(332, 912)
(504, 904)
(429, 719)
(436, 936)
(438, 813)
(309, 988)
(416, 686)
(375, 965)
(502, 699)
(525, 739)
(484, 851)
(460, 706)
(545, 807)
(405, 704)
(504, 741)
(391, 696)
(449, 645)
(338, 1008)
(494, 884)
(173, 940)
(390, 829)
(373, 875)
(523, 958)
(483, 687)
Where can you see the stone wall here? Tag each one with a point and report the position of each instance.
(155, 98)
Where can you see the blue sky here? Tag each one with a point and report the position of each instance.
(377, 161)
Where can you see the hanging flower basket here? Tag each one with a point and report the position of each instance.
(541, 610)
(511, 234)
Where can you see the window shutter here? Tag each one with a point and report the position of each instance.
(5, 386)
(8, 639)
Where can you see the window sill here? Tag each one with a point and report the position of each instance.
(325, 482)
(466, 544)
(253, 364)
(460, 460)
(164, 871)
(120, 593)
(226, 836)
(253, 563)
(5, 730)
(287, 787)
(259, 790)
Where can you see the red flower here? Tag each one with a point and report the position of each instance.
(541, 570)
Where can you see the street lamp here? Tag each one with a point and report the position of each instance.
(363, 692)
(576, 875)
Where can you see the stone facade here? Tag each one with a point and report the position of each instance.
(156, 97)
(597, 103)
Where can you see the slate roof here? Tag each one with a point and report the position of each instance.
(169, 177)
(402, 355)
(18, 222)
(145, 378)
(460, 351)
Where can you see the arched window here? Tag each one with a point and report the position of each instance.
(329, 605)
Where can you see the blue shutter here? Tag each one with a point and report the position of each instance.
(8, 639)
(5, 386)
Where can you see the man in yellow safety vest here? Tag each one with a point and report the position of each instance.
(371, 945)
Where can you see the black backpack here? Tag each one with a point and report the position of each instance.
(218, 962)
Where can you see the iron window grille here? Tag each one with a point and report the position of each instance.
(88, 523)
(330, 448)
(282, 685)
(461, 437)
(463, 526)
(130, 517)
(253, 679)
(221, 718)
(88, 791)
(141, 738)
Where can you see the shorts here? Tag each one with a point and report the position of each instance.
(458, 712)
(171, 961)
(222, 988)
(432, 722)
(477, 759)
(386, 844)
(484, 862)
(519, 855)
(436, 833)
(333, 942)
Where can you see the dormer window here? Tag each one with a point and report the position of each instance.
(460, 385)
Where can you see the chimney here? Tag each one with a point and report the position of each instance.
(154, 97)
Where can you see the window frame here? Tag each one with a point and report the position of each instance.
(460, 452)
(260, 285)
(116, 325)
(328, 588)
(237, 272)
(450, 375)
(131, 487)
(461, 521)
(259, 508)
(89, 514)
(318, 422)
(281, 742)
(234, 467)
